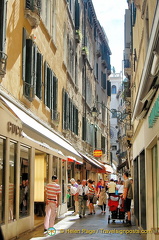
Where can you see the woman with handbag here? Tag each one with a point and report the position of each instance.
(91, 194)
(102, 196)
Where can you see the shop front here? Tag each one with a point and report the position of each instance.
(146, 173)
(28, 159)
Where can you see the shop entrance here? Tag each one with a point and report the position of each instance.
(40, 180)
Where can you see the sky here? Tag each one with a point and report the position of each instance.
(110, 14)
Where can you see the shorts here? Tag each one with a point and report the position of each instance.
(127, 205)
(90, 197)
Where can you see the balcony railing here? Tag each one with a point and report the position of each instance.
(32, 12)
(3, 63)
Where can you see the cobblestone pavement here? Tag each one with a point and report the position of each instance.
(91, 227)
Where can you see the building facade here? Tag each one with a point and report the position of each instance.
(141, 66)
(48, 86)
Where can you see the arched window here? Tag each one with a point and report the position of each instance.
(113, 89)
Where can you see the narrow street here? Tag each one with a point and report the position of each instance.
(91, 227)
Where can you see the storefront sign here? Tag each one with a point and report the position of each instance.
(97, 153)
(14, 129)
(154, 115)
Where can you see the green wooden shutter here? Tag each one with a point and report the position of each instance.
(49, 87)
(34, 67)
(77, 15)
(76, 121)
(39, 76)
(64, 109)
(67, 111)
(108, 88)
(24, 54)
(45, 83)
(3, 18)
(97, 71)
(104, 80)
(29, 61)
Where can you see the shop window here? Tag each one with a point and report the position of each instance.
(2, 183)
(155, 175)
(12, 182)
(64, 184)
(24, 198)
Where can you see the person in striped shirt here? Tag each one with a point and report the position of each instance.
(52, 192)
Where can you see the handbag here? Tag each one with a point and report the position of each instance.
(85, 197)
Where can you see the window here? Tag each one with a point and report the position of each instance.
(103, 80)
(3, 11)
(70, 114)
(155, 175)
(70, 56)
(103, 144)
(24, 198)
(64, 187)
(12, 181)
(97, 71)
(2, 177)
(113, 89)
(51, 91)
(32, 69)
(114, 147)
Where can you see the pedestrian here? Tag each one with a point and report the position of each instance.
(75, 196)
(98, 184)
(102, 196)
(52, 193)
(127, 196)
(91, 194)
(120, 187)
(111, 187)
(82, 191)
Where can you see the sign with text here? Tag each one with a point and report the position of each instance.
(97, 153)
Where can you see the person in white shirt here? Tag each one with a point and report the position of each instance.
(82, 191)
(111, 187)
(75, 196)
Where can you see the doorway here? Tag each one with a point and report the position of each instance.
(40, 181)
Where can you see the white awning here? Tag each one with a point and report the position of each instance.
(108, 168)
(42, 129)
(91, 160)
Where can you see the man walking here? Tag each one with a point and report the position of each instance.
(52, 192)
(82, 191)
(127, 196)
(75, 196)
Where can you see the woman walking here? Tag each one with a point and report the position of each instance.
(102, 196)
(91, 194)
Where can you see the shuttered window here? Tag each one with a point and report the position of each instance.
(38, 85)
(103, 80)
(103, 144)
(51, 91)
(31, 69)
(70, 114)
(3, 13)
(77, 15)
